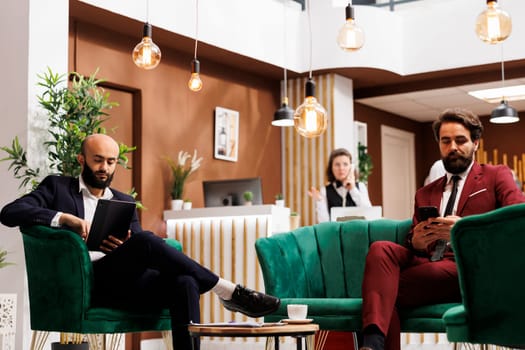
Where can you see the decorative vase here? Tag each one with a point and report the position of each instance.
(176, 204)
(7, 320)
(294, 221)
(186, 206)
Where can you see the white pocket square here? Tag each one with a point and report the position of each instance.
(475, 193)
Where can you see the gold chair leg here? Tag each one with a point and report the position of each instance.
(322, 336)
(38, 340)
(168, 342)
(269, 343)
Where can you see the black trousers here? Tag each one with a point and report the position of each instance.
(145, 273)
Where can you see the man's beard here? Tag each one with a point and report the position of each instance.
(456, 164)
(88, 175)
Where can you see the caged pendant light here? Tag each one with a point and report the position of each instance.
(146, 54)
(493, 25)
(195, 82)
(284, 115)
(310, 118)
(351, 37)
(504, 114)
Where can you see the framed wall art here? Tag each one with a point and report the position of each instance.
(226, 134)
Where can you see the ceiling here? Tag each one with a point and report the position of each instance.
(420, 97)
(425, 105)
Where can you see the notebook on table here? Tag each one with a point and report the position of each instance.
(368, 213)
(112, 217)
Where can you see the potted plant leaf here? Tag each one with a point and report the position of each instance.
(279, 200)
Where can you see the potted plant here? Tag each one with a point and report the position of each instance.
(180, 170)
(365, 163)
(295, 219)
(74, 112)
(279, 200)
(187, 204)
(248, 197)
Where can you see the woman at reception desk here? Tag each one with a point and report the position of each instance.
(343, 190)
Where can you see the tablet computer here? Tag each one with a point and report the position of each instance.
(112, 217)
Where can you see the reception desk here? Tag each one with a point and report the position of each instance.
(223, 239)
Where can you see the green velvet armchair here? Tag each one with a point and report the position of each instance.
(489, 255)
(60, 277)
(323, 266)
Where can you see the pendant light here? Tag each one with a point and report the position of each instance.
(310, 118)
(351, 37)
(503, 114)
(146, 54)
(493, 25)
(284, 115)
(195, 82)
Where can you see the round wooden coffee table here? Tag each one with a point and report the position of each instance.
(298, 331)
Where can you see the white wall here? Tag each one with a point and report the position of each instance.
(36, 35)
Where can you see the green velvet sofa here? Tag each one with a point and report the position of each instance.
(322, 266)
(60, 280)
(490, 261)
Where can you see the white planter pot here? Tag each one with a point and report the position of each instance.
(279, 202)
(186, 206)
(176, 204)
(7, 321)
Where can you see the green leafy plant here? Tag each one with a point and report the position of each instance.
(294, 213)
(279, 196)
(180, 171)
(73, 112)
(248, 196)
(365, 163)
(3, 262)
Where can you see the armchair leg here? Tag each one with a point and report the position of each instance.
(38, 340)
(166, 337)
(322, 335)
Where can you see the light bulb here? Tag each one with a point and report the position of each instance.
(195, 82)
(310, 119)
(351, 37)
(146, 54)
(493, 25)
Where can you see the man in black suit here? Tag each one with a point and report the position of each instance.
(140, 271)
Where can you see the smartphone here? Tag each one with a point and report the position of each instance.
(427, 212)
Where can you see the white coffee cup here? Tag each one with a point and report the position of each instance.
(297, 311)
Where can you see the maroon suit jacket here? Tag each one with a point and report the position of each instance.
(487, 187)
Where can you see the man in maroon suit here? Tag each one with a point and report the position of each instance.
(424, 271)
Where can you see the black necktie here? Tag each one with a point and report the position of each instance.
(441, 244)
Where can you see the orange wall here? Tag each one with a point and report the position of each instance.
(172, 118)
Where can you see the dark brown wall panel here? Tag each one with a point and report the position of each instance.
(172, 118)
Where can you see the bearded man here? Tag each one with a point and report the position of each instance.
(424, 271)
(141, 271)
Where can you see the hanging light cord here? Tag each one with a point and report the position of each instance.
(284, 49)
(310, 32)
(196, 27)
(502, 68)
(147, 11)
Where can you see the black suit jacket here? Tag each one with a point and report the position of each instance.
(54, 194)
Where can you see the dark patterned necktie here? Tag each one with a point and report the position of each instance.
(441, 244)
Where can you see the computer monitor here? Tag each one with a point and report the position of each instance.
(219, 193)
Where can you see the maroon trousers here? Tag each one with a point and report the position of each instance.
(395, 277)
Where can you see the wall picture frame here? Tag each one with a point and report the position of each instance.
(226, 140)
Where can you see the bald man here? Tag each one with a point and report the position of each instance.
(140, 271)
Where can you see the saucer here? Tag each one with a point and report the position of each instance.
(299, 321)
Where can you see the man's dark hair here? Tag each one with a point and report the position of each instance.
(335, 153)
(459, 115)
